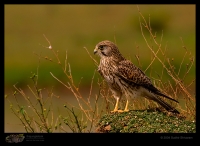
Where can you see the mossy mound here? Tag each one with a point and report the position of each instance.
(144, 122)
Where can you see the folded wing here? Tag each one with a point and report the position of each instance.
(132, 74)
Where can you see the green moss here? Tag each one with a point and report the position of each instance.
(144, 122)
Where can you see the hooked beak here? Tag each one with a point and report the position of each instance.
(95, 50)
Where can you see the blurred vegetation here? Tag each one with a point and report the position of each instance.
(72, 27)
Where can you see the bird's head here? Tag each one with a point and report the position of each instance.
(107, 49)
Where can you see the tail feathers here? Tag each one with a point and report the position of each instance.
(166, 105)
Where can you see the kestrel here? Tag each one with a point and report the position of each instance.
(124, 78)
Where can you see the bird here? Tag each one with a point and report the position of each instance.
(124, 78)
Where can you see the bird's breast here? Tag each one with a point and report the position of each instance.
(106, 69)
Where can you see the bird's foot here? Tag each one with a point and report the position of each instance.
(119, 111)
(126, 110)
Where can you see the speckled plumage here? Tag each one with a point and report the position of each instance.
(123, 77)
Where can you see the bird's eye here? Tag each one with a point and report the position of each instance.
(101, 47)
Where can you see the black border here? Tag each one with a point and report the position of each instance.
(106, 139)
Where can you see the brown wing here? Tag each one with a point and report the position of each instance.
(128, 71)
(132, 74)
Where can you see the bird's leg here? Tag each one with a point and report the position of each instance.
(126, 107)
(116, 107)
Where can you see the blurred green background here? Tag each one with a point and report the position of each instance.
(73, 27)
